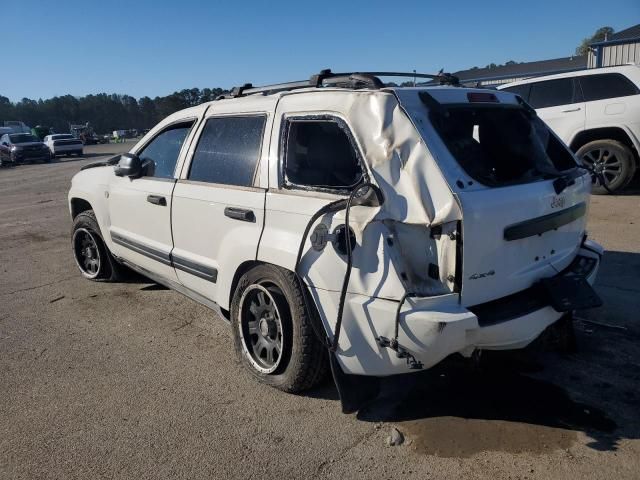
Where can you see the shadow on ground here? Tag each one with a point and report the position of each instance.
(531, 400)
(528, 401)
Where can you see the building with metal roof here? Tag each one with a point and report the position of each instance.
(621, 48)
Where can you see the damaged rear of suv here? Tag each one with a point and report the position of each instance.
(386, 227)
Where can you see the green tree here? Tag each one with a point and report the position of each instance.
(105, 112)
(601, 34)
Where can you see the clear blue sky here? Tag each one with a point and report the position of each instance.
(143, 47)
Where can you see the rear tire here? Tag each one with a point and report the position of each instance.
(92, 257)
(614, 159)
(274, 337)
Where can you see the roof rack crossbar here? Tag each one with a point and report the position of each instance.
(345, 79)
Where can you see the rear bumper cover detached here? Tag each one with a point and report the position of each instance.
(432, 328)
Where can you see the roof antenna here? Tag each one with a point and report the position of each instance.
(414, 77)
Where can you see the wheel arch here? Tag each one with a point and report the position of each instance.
(604, 133)
(243, 268)
(78, 205)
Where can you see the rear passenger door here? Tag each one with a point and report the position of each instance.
(218, 204)
(559, 103)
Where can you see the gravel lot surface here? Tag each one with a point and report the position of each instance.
(131, 380)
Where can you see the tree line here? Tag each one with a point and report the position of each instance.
(105, 112)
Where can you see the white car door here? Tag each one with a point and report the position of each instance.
(140, 208)
(218, 202)
(560, 104)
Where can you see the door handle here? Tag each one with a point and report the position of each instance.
(572, 110)
(240, 214)
(157, 200)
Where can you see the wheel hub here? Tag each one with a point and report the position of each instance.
(268, 328)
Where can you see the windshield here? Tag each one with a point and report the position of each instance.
(22, 138)
(501, 144)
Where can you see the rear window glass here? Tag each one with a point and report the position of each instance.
(228, 150)
(499, 145)
(551, 93)
(606, 85)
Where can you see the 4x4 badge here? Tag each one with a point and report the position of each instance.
(476, 276)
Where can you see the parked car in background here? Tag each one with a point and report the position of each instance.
(21, 148)
(262, 202)
(597, 113)
(63, 144)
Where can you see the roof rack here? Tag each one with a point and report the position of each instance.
(327, 78)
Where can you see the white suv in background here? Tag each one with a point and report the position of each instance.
(596, 112)
(384, 228)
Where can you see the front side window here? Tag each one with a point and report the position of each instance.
(551, 93)
(320, 154)
(606, 85)
(501, 145)
(228, 150)
(160, 156)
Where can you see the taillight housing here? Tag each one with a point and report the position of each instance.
(482, 97)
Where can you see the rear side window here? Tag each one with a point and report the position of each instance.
(499, 145)
(161, 154)
(606, 85)
(319, 153)
(228, 150)
(551, 93)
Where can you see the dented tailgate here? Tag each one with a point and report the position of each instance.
(513, 237)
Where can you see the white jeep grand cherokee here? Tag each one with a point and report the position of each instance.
(597, 113)
(385, 228)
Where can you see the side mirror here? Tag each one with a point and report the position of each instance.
(129, 165)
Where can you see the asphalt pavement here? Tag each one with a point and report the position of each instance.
(131, 380)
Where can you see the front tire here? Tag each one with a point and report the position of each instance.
(613, 159)
(90, 253)
(272, 331)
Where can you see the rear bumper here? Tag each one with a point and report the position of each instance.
(58, 149)
(433, 328)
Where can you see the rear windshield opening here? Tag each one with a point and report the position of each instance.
(501, 145)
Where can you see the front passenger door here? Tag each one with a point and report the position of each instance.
(140, 208)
